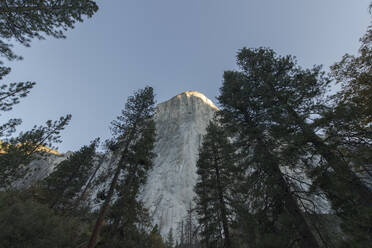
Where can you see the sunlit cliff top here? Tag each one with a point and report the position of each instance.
(199, 95)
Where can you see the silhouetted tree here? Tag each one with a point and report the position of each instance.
(216, 174)
(250, 112)
(349, 130)
(134, 136)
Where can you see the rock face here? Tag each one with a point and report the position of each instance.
(180, 123)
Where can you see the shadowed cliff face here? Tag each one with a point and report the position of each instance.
(181, 122)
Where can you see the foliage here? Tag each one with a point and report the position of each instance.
(18, 152)
(349, 130)
(169, 243)
(22, 21)
(264, 107)
(63, 188)
(132, 145)
(354, 73)
(155, 239)
(27, 223)
(129, 225)
(216, 175)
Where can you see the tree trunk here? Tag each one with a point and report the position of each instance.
(87, 186)
(307, 238)
(340, 167)
(342, 170)
(225, 226)
(101, 216)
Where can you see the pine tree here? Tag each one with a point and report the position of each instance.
(21, 21)
(25, 222)
(292, 96)
(169, 243)
(134, 137)
(348, 129)
(155, 239)
(18, 152)
(217, 172)
(62, 189)
(288, 98)
(24, 20)
(244, 114)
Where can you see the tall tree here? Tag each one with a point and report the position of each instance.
(348, 128)
(291, 96)
(244, 115)
(216, 174)
(134, 137)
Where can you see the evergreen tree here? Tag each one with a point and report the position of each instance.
(348, 124)
(216, 173)
(64, 186)
(27, 223)
(9, 96)
(288, 98)
(348, 129)
(18, 152)
(134, 137)
(22, 21)
(244, 114)
(30, 223)
(155, 239)
(169, 243)
(128, 225)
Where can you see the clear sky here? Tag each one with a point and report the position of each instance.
(174, 46)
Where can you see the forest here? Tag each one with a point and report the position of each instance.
(284, 163)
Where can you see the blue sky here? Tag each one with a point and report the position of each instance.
(174, 46)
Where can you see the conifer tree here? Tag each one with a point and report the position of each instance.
(21, 21)
(155, 239)
(290, 96)
(216, 173)
(18, 152)
(348, 128)
(244, 116)
(24, 20)
(25, 222)
(287, 99)
(169, 243)
(64, 186)
(134, 137)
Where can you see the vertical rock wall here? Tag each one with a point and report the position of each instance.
(180, 123)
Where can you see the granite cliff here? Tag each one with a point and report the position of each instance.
(180, 123)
